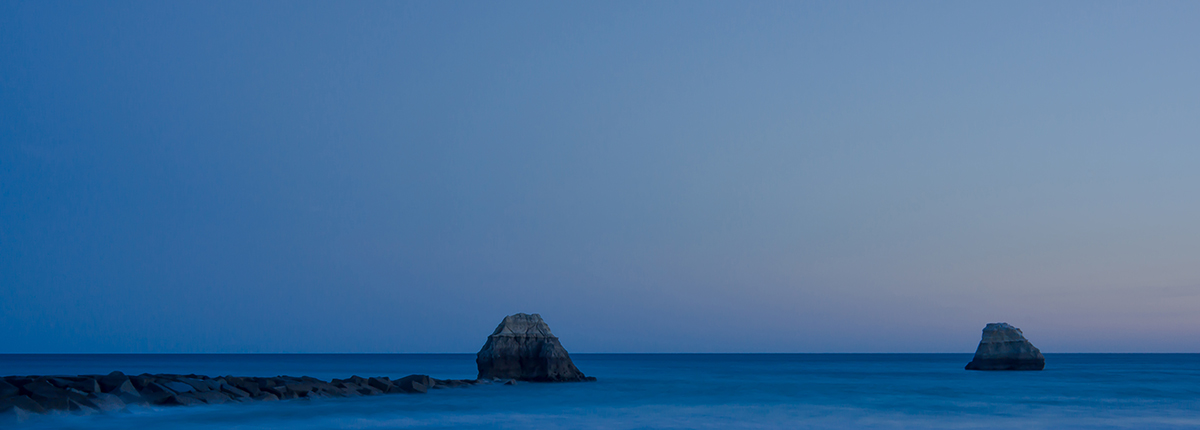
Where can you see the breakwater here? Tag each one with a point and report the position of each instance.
(520, 348)
(84, 394)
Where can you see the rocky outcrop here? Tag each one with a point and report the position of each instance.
(523, 348)
(1004, 347)
(21, 396)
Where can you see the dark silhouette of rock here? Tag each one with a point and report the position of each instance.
(234, 391)
(86, 386)
(381, 384)
(8, 390)
(211, 397)
(266, 397)
(113, 381)
(140, 381)
(23, 402)
(125, 388)
(413, 384)
(81, 408)
(178, 386)
(18, 381)
(278, 390)
(183, 399)
(447, 383)
(298, 387)
(346, 389)
(196, 384)
(57, 382)
(522, 347)
(156, 394)
(1004, 347)
(245, 384)
(46, 394)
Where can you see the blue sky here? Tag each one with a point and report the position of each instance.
(649, 176)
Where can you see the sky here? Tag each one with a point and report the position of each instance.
(666, 176)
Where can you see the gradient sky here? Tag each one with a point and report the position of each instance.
(649, 176)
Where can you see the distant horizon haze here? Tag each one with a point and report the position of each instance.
(668, 176)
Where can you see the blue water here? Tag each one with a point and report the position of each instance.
(681, 391)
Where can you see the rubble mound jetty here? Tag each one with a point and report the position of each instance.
(84, 394)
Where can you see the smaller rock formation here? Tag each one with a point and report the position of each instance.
(1004, 347)
(523, 348)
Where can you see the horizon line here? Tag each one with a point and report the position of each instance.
(577, 353)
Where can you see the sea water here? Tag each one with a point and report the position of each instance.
(677, 391)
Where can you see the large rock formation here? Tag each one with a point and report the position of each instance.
(523, 348)
(1004, 347)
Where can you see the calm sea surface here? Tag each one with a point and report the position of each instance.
(680, 391)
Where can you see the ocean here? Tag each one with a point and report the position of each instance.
(676, 391)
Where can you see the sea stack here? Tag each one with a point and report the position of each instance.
(1004, 347)
(523, 348)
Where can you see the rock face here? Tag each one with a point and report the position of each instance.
(523, 348)
(1004, 347)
